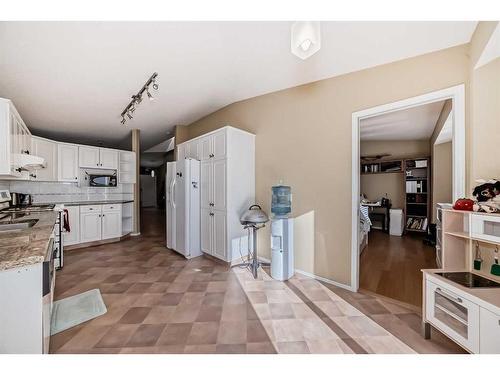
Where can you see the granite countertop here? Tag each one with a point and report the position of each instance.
(86, 203)
(27, 246)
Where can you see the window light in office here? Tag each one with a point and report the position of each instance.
(305, 39)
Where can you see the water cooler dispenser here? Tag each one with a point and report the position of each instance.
(282, 264)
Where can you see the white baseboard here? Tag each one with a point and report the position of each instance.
(135, 234)
(316, 277)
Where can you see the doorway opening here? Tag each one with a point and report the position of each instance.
(399, 150)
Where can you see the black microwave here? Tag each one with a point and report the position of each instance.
(101, 180)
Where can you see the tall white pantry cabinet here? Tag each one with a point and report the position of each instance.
(227, 188)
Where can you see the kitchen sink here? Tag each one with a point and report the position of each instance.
(17, 225)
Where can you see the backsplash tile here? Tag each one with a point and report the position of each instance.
(61, 192)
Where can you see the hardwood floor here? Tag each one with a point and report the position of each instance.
(390, 266)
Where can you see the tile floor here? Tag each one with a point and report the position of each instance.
(159, 302)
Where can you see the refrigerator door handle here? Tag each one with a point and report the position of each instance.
(172, 193)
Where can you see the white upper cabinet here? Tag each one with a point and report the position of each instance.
(15, 138)
(206, 147)
(219, 184)
(127, 166)
(193, 150)
(88, 157)
(219, 145)
(48, 150)
(95, 157)
(181, 151)
(108, 158)
(67, 162)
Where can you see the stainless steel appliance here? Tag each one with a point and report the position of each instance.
(253, 219)
(101, 180)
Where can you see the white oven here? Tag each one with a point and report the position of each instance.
(454, 315)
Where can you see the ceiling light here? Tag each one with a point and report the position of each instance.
(137, 99)
(305, 39)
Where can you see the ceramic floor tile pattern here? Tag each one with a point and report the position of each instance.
(159, 302)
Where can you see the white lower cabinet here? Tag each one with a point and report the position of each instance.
(111, 221)
(206, 231)
(213, 233)
(73, 236)
(219, 234)
(100, 222)
(489, 332)
(90, 223)
(468, 323)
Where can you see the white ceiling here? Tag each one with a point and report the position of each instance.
(415, 123)
(71, 80)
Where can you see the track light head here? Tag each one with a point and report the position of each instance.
(132, 108)
(129, 116)
(150, 97)
(155, 86)
(123, 121)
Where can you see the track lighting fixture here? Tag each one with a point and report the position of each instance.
(137, 99)
(150, 97)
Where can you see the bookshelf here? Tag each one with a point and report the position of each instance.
(386, 166)
(417, 194)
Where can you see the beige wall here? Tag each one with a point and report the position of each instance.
(375, 186)
(439, 191)
(484, 111)
(442, 165)
(304, 138)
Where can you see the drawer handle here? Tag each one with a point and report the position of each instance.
(446, 295)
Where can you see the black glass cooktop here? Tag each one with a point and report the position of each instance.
(469, 279)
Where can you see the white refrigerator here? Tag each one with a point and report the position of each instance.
(183, 207)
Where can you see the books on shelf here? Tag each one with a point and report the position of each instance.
(415, 187)
(417, 223)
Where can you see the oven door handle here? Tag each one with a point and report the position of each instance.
(449, 296)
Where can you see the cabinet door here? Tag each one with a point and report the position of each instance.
(111, 224)
(206, 147)
(193, 148)
(67, 162)
(90, 227)
(88, 157)
(47, 150)
(219, 235)
(206, 231)
(25, 139)
(206, 184)
(489, 333)
(219, 184)
(181, 151)
(126, 173)
(219, 145)
(73, 237)
(108, 158)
